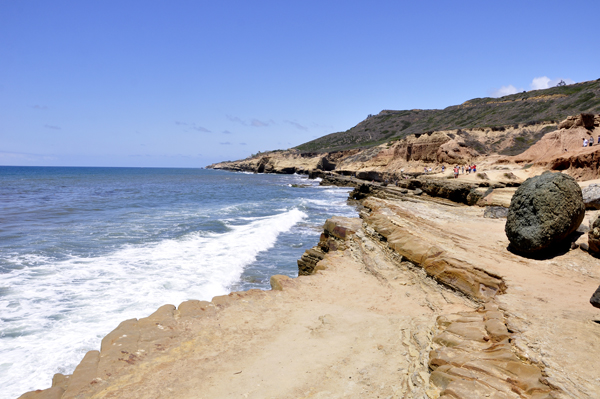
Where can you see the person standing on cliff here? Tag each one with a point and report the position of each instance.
(585, 142)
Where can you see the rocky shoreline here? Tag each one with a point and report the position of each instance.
(419, 297)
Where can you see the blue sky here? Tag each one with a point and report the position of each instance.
(189, 83)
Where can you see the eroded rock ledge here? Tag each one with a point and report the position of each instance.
(414, 300)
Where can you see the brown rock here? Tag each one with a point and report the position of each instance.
(195, 308)
(278, 282)
(84, 374)
(50, 393)
(342, 227)
(476, 365)
(594, 236)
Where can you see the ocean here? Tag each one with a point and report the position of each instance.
(82, 249)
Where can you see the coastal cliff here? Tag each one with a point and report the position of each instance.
(502, 151)
(420, 297)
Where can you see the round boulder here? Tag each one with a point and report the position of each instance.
(543, 211)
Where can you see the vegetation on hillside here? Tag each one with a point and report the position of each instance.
(553, 104)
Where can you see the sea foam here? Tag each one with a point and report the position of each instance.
(55, 311)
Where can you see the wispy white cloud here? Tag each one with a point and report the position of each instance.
(296, 125)
(243, 144)
(52, 127)
(235, 119)
(193, 126)
(544, 82)
(37, 106)
(253, 122)
(200, 129)
(505, 91)
(226, 132)
(538, 83)
(225, 143)
(257, 123)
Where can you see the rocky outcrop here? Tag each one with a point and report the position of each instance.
(595, 299)
(474, 359)
(591, 196)
(336, 231)
(495, 212)
(594, 236)
(408, 240)
(411, 301)
(543, 212)
(588, 121)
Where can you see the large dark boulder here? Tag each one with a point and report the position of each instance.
(595, 299)
(543, 211)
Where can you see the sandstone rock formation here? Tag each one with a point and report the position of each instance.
(409, 302)
(543, 211)
(591, 196)
(594, 236)
(474, 359)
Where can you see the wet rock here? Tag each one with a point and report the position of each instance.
(543, 212)
(313, 174)
(595, 299)
(591, 196)
(495, 212)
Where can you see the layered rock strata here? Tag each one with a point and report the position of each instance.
(473, 357)
(418, 299)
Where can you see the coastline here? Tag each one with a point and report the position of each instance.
(402, 286)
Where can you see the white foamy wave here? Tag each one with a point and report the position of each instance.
(53, 312)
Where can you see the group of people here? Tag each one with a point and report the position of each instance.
(468, 169)
(457, 169)
(590, 142)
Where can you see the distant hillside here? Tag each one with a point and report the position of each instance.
(553, 104)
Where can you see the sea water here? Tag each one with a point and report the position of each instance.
(82, 249)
